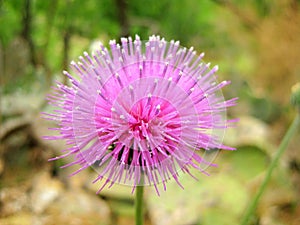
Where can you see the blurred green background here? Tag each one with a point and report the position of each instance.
(256, 45)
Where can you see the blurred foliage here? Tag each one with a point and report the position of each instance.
(191, 22)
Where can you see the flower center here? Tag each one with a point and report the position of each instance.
(140, 129)
(146, 121)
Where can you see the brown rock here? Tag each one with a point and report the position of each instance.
(45, 190)
(78, 207)
(12, 201)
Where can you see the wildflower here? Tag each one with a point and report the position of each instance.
(140, 112)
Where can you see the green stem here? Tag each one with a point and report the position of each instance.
(282, 147)
(139, 215)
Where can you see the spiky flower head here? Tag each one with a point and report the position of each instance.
(140, 112)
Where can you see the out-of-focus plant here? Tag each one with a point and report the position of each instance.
(294, 127)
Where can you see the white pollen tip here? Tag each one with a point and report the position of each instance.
(141, 67)
(156, 80)
(208, 64)
(202, 54)
(225, 82)
(81, 58)
(130, 87)
(170, 79)
(216, 68)
(149, 95)
(65, 72)
(112, 42)
(158, 107)
(85, 53)
(122, 117)
(192, 89)
(98, 91)
(124, 39)
(113, 109)
(73, 63)
(137, 37)
(205, 95)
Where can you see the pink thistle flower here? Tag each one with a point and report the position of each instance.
(140, 112)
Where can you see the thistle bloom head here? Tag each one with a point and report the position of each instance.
(140, 112)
